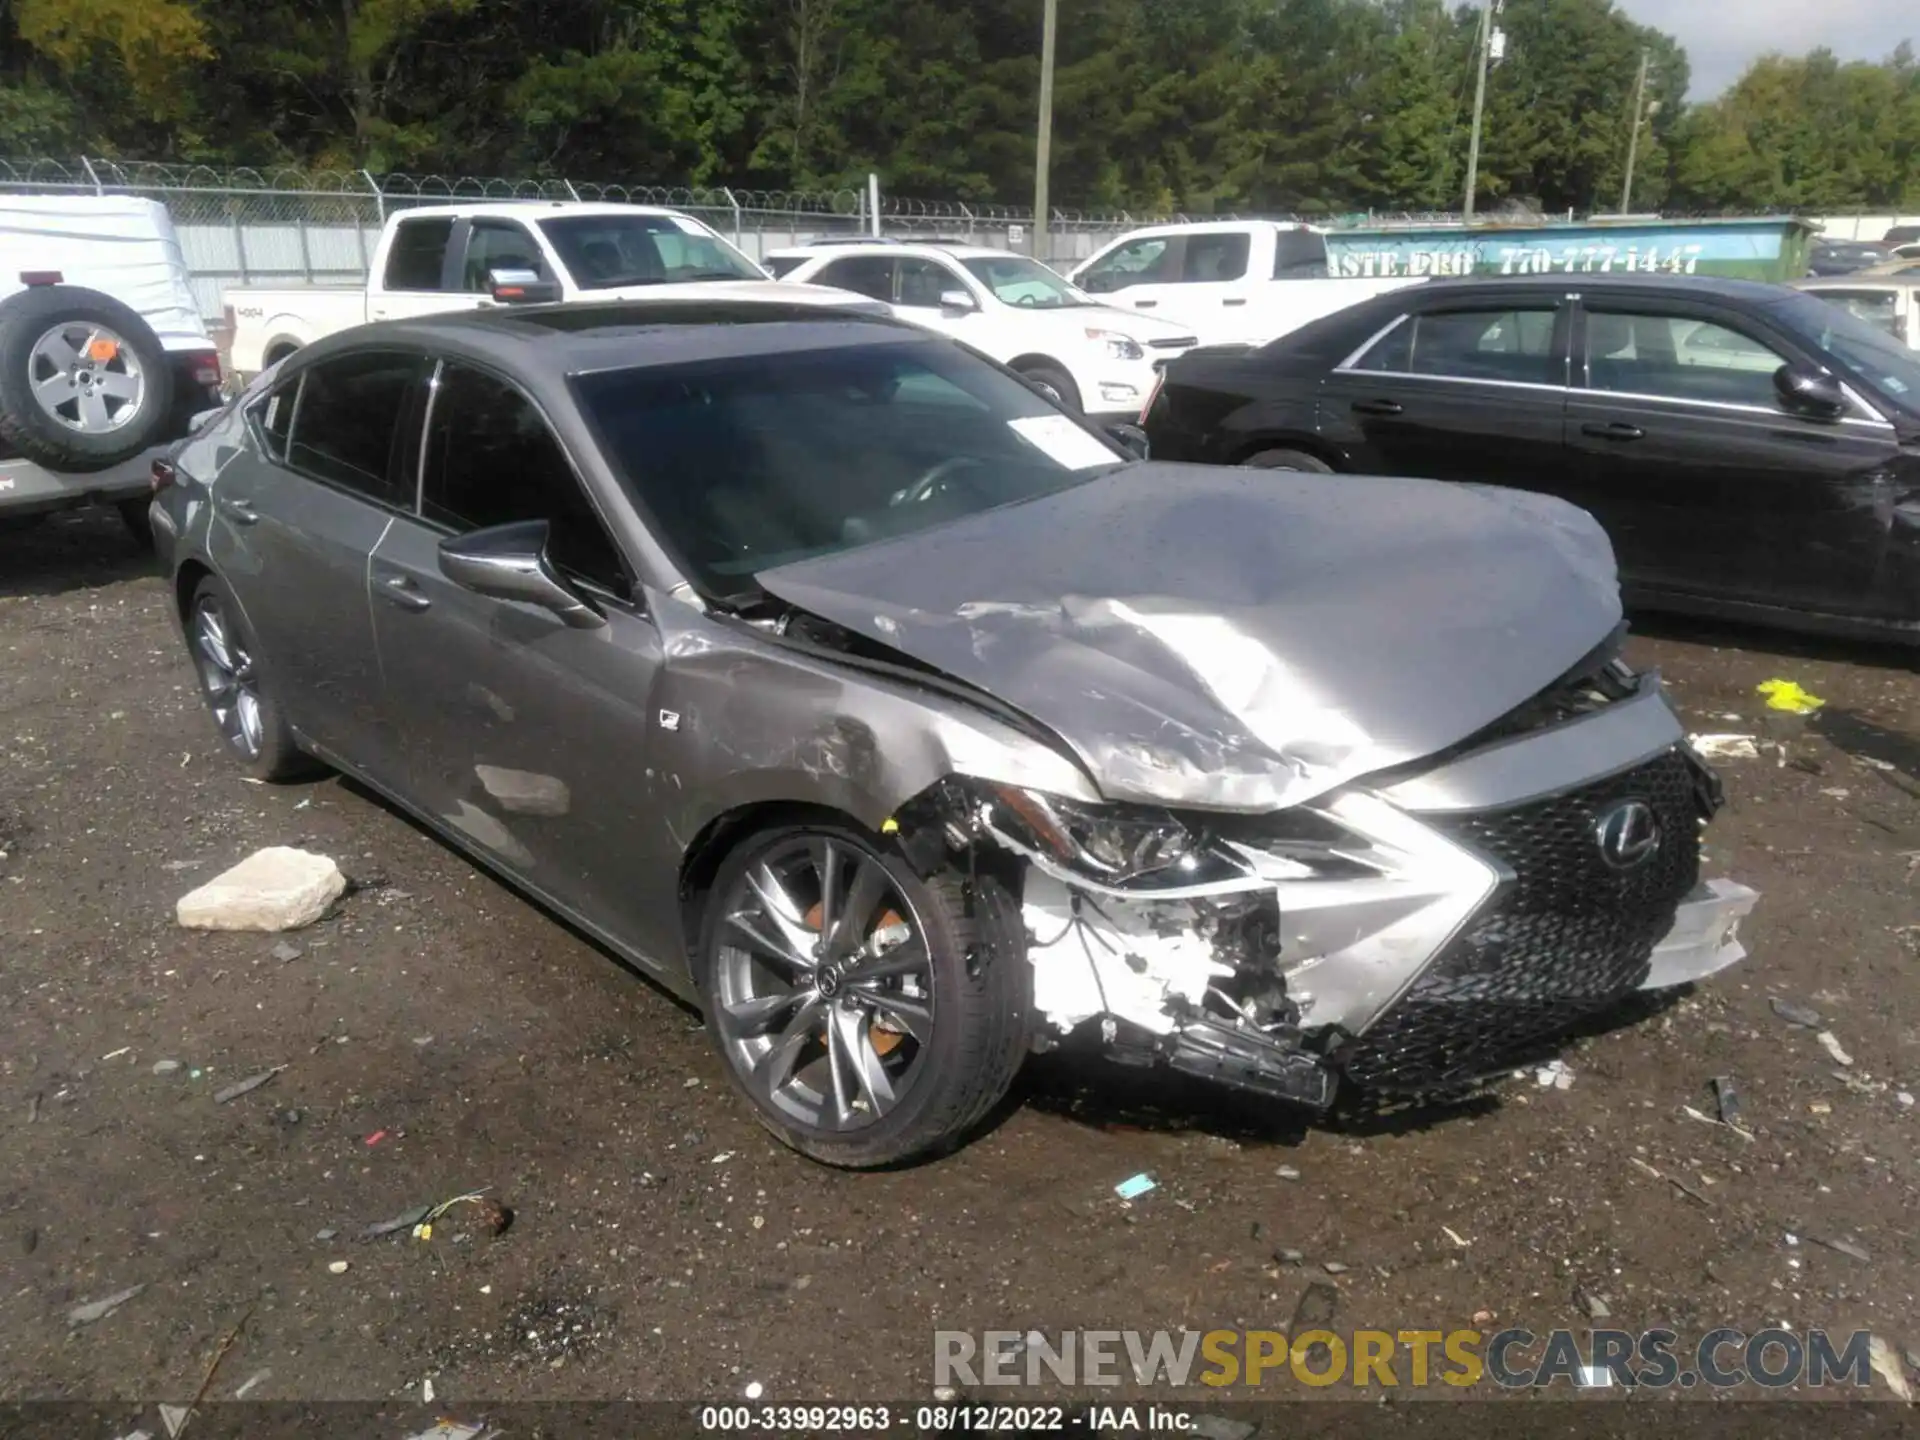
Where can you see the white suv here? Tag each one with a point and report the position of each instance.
(1088, 356)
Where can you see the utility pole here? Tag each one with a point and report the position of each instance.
(1633, 144)
(1479, 106)
(1043, 145)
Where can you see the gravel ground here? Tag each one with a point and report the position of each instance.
(440, 1035)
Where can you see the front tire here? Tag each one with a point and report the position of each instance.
(1056, 385)
(1288, 460)
(869, 1016)
(226, 660)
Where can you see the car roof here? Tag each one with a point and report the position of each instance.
(577, 339)
(537, 209)
(1707, 286)
(885, 246)
(1860, 280)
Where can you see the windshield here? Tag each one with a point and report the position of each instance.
(1877, 357)
(606, 252)
(1016, 280)
(753, 461)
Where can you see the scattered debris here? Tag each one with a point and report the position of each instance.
(1287, 1172)
(1218, 1427)
(247, 1086)
(337, 1267)
(1682, 1186)
(1836, 792)
(99, 1309)
(166, 1067)
(1728, 1099)
(1556, 1073)
(755, 1390)
(405, 1221)
(426, 1391)
(945, 1394)
(1706, 1119)
(1887, 1366)
(1455, 1237)
(115, 1054)
(1724, 747)
(175, 1418)
(1334, 1267)
(1819, 1107)
(1318, 1302)
(1844, 1247)
(1788, 696)
(325, 1235)
(375, 1138)
(456, 1430)
(213, 1366)
(1904, 1097)
(1595, 1306)
(1831, 1044)
(1796, 1014)
(692, 1082)
(286, 950)
(1134, 1186)
(278, 888)
(33, 1107)
(1285, 1256)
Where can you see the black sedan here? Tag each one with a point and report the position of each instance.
(1753, 452)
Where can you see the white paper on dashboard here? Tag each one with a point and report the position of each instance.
(1062, 441)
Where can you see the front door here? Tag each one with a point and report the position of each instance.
(1708, 483)
(292, 531)
(1474, 393)
(527, 737)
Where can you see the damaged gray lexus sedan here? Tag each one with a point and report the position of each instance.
(904, 724)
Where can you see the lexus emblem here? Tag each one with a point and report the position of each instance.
(1629, 835)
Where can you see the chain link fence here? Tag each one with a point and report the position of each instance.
(320, 227)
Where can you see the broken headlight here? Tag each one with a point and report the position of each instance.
(1110, 842)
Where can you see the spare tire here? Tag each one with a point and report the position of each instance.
(84, 382)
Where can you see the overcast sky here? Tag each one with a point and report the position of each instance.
(1723, 37)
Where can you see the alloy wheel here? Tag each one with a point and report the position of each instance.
(86, 377)
(823, 984)
(227, 676)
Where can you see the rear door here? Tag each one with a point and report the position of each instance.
(1469, 390)
(526, 736)
(293, 529)
(1708, 484)
(869, 275)
(421, 272)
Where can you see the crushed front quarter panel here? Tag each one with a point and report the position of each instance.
(1238, 639)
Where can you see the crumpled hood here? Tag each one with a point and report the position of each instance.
(1233, 638)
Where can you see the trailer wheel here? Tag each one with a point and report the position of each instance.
(84, 382)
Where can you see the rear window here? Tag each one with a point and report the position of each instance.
(349, 414)
(781, 266)
(1515, 346)
(417, 258)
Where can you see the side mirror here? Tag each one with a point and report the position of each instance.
(1132, 439)
(1810, 392)
(509, 562)
(956, 302)
(522, 287)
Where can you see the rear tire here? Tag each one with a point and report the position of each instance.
(1287, 460)
(1056, 385)
(969, 981)
(237, 690)
(62, 404)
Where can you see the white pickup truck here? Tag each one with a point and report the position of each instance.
(446, 257)
(1231, 282)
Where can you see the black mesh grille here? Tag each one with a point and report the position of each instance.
(1567, 935)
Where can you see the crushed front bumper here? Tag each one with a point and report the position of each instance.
(1705, 935)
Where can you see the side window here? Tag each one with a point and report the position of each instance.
(273, 418)
(1141, 262)
(417, 257)
(781, 266)
(349, 414)
(923, 281)
(1299, 255)
(863, 274)
(498, 245)
(1679, 357)
(491, 460)
(1509, 345)
(1215, 258)
(1392, 353)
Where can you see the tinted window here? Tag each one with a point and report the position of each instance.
(923, 281)
(418, 255)
(273, 416)
(349, 414)
(863, 274)
(1680, 358)
(1876, 307)
(1506, 345)
(1299, 255)
(605, 251)
(499, 245)
(752, 461)
(1883, 361)
(784, 265)
(491, 460)
(1139, 262)
(1212, 258)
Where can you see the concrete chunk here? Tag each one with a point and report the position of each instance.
(278, 888)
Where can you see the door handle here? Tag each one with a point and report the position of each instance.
(402, 590)
(1613, 430)
(1377, 407)
(1234, 300)
(237, 509)
(1145, 304)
